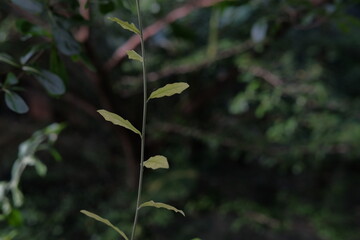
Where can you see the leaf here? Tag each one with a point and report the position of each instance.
(8, 59)
(117, 120)
(125, 25)
(161, 205)
(40, 168)
(30, 70)
(29, 5)
(105, 221)
(51, 82)
(55, 154)
(157, 162)
(169, 90)
(18, 197)
(65, 41)
(258, 30)
(14, 218)
(15, 102)
(134, 55)
(11, 79)
(33, 50)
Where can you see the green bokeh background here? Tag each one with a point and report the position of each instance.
(263, 145)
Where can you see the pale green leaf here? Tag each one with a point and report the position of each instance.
(161, 205)
(105, 221)
(117, 120)
(134, 55)
(8, 59)
(18, 197)
(30, 70)
(125, 25)
(157, 162)
(169, 90)
(40, 168)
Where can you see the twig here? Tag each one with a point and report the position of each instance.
(150, 31)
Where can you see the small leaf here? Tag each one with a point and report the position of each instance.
(161, 205)
(55, 154)
(117, 120)
(157, 162)
(65, 41)
(15, 102)
(8, 59)
(169, 90)
(40, 168)
(14, 218)
(134, 55)
(36, 48)
(28, 56)
(258, 30)
(30, 70)
(51, 82)
(11, 79)
(18, 197)
(105, 221)
(125, 25)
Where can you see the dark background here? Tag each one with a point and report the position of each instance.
(263, 145)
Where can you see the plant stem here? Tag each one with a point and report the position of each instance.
(143, 131)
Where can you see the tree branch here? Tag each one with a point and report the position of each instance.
(151, 30)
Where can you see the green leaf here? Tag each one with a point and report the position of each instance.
(157, 162)
(161, 205)
(33, 50)
(258, 30)
(14, 218)
(29, 5)
(54, 129)
(18, 197)
(134, 55)
(125, 25)
(105, 221)
(40, 168)
(51, 82)
(55, 154)
(8, 59)
(65, 41)
(15, 102)
(169, 90)
(30, 70)
(117, 120)
(11, 79)
(6, 207)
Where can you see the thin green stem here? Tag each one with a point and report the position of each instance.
(143, 131)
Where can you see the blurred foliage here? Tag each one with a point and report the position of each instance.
(11, 197)
(264, 144)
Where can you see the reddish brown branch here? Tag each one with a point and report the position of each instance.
(150, 31)
(265, 74)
